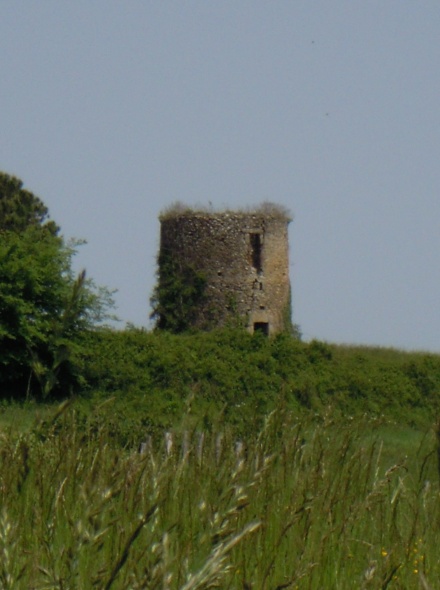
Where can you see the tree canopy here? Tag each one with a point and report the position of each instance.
(19, 208)
(44, 307)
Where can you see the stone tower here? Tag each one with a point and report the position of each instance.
(232, 267)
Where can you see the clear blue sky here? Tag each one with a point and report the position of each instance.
(111, 111)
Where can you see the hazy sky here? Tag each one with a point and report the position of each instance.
(110, 111)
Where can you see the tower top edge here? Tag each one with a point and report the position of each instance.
(266, 210)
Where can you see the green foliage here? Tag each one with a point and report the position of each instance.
(177, 296)
(44, 308)
(20, 209)
(154, 374)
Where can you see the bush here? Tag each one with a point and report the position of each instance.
(245, 376)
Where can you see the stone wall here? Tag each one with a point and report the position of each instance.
(244, 259)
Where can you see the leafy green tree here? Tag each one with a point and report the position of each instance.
(44, 308)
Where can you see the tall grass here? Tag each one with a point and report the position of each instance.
(311, 504)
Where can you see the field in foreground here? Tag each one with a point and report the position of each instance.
(314, 503)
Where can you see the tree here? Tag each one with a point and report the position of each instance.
(20, 208)
(44, 308)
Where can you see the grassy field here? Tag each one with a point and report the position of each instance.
(309, 503)
(224, 460)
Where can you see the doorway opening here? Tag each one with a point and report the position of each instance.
(262, 327)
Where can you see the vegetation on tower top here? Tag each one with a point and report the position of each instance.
(265, 209)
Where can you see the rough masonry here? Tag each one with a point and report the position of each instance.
(244, 260)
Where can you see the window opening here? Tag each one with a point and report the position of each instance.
(262, 327)
(256, 245)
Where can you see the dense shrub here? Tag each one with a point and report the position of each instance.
(245, 376)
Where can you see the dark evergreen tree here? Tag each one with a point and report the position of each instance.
(19, 208)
